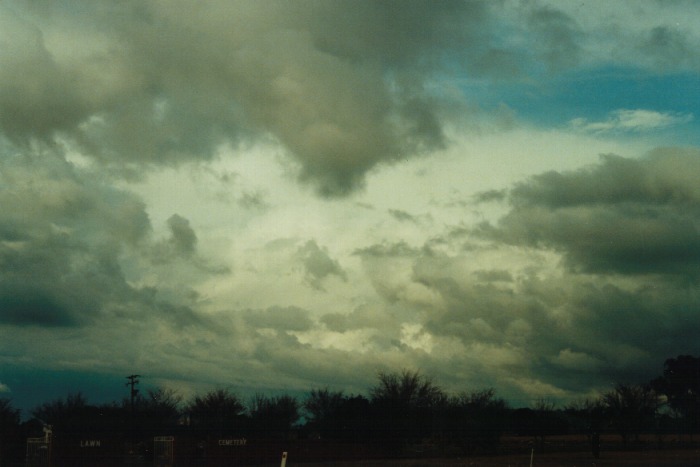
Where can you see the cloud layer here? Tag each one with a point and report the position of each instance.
(283, 195)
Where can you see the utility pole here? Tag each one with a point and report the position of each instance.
(133, 381)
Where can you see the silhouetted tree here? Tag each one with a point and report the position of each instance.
(156, 411)
(404, 405)
(547, 421)
(632, 409)
(585, 416)
(9, 416)
(62, 412)
(322, 408)
(539, 421)
(335, 416)
(355, 418)
(11, 442)
(74, 416)
(217, 410)
(680, 384)
(474, 421)
(274, 416)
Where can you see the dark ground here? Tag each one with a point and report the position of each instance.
(564, 451)
(675, 458)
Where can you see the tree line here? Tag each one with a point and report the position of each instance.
(401, 409)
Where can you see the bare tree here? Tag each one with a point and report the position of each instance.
(322, 409)
(632, 409)
(404, 405)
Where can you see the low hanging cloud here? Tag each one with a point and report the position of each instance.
(73, 249)
(620, 298)
(591, 275)
(61, 237)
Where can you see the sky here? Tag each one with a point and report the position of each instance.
(286, 195)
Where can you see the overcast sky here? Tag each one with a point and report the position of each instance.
(286, 195)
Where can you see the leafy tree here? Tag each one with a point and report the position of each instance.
(354, 416)
(632, 409)
(218, 410)
(274, 416)
(680, 384)
(336, 416)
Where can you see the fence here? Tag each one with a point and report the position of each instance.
(38, 452)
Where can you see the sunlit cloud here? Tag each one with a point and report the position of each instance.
(638, 120)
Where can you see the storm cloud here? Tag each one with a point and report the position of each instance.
(341, 86)
(621, 216)
(285, 195)
(344, 87)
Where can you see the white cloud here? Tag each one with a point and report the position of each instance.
(637, 120)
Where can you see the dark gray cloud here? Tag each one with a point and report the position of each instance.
(627, 232)
(557, 37)
(73, 248)
(32, 307)
(253, 200)
(629, 216)
(490, 195)
(599, 284)
(397, 249)
(342, 86)
(318, 265)
(61, 239)
(590, 277)
(363, 317)
(669, 47)
(183, 239)
(402, 216)
(575, 332)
